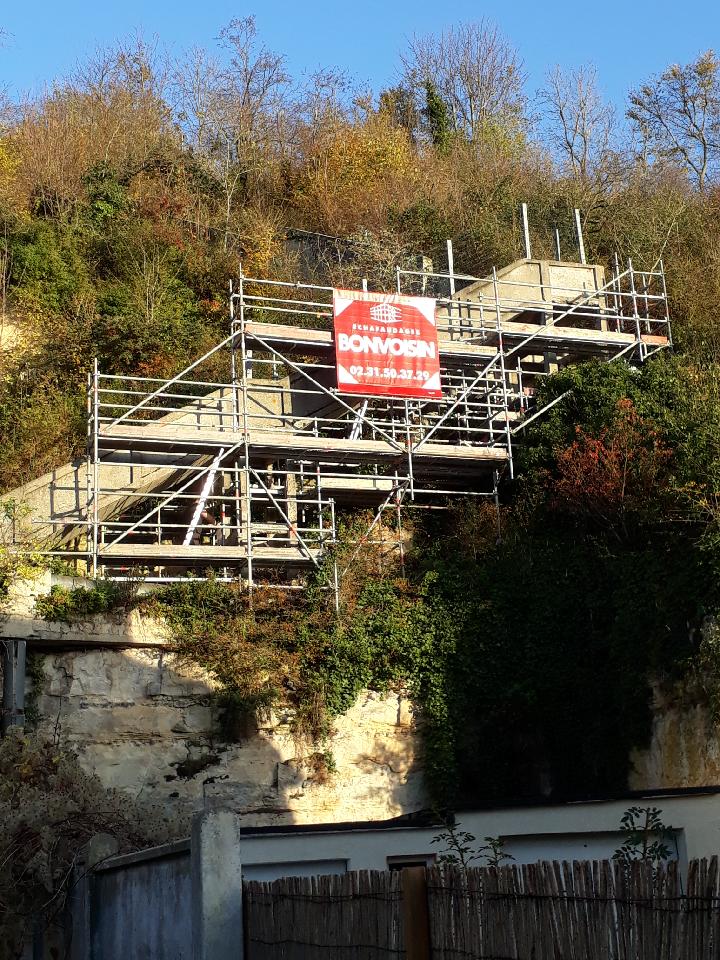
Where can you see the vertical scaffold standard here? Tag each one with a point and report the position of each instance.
(321, 401)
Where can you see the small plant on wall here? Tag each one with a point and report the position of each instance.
(647, 838)
(17, 560)
(461, 851)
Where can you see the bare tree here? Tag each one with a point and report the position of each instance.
(111, 111)
(152, 271)
(5, 271)
(255, 77)
(580, 125)
(477, 73)
(229, 109)
(135, 65)
(324, 98)
(677, 116)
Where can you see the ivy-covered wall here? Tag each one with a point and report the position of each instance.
(530, 650)
(148, 725)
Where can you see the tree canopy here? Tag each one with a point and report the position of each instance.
(130, 191)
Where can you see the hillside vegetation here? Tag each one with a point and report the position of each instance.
(130, 191)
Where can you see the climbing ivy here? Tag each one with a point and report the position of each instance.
(529, 657)
(35, 673)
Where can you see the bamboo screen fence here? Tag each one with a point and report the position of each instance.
(544, 911)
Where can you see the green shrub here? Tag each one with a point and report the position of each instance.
(63, 605)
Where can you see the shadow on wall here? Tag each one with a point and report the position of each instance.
(147, 724)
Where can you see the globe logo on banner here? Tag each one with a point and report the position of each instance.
(386, 345)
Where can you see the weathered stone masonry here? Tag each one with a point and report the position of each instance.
(145, 723)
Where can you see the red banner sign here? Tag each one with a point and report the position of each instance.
(386, 345)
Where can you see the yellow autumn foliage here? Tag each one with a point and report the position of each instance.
(352, 173)
(9, 194)
(261, 237)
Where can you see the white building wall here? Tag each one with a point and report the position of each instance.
(578, 831)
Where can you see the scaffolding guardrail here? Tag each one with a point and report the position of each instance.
(240, 463)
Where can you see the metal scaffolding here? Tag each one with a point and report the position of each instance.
(239, 466)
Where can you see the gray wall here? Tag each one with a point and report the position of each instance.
(181, 901)
(184, 900)
(140, 908)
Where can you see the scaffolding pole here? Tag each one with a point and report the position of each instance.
(298, 451)
(246, 440)
(96, 471)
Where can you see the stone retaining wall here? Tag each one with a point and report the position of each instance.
(145, 724)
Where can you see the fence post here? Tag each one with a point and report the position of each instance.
(216, 869)
(416, 917)
(98, 848)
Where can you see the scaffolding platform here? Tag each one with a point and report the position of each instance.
(242, 476)
(274, 445)
(202, 555)
(320, 343)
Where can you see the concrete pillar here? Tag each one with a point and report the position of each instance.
(216, 866)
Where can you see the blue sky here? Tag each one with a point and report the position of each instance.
(627, 41)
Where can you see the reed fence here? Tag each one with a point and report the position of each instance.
(545, 911)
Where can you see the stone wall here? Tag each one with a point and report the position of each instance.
(684, 750)
(145, 724)
(121, 628)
